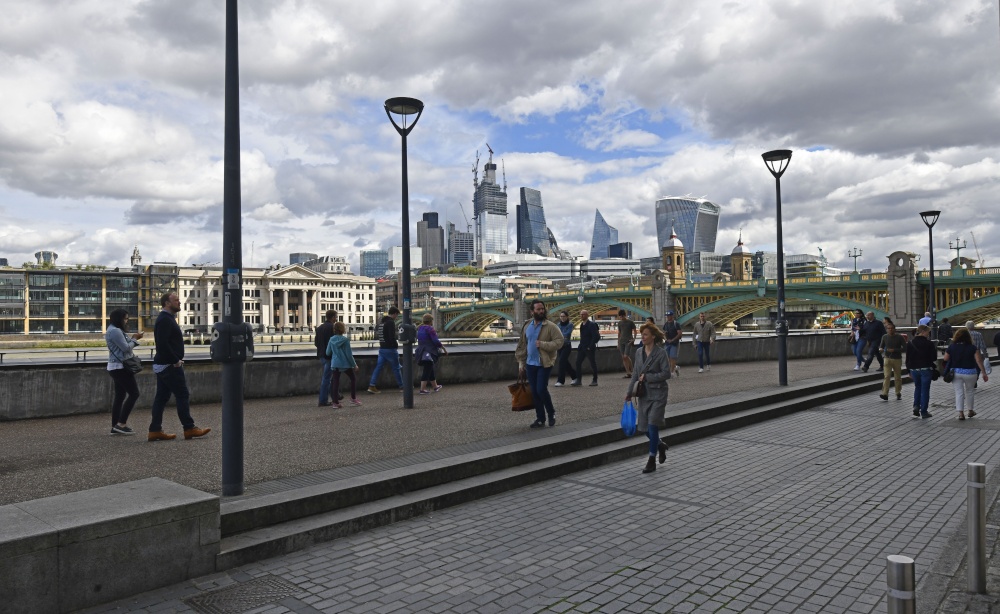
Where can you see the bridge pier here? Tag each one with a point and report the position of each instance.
(662, 299)
(906, 297)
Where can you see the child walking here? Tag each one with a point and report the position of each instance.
(342, 361)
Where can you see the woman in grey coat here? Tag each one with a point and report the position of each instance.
(653, 368)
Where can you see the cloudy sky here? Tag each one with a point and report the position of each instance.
(111, 121)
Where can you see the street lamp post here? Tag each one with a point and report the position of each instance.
(777, 161)
(930, 218)
(404, 107)
(857, 254)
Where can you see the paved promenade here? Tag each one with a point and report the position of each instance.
(793, 515)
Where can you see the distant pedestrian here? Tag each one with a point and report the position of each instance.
(323, 334)
(858, 338)
(590, 336)
(921, 360)
(964, 359)
(652, 367)
(626, 340)
(566, 328)
(388, 351)
(926, 320)
(429, 350)
(168, 365)
(672, 343)
(874, 331)
(892, 346)
(704, 337)
(536, 351)
(342, 361)
(977, 340)
(126, 390)
(945, 332)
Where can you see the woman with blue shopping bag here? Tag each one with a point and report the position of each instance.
(648, 388)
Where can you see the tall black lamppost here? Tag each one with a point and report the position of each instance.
(930, 218)
(777, 161)
(405, 107)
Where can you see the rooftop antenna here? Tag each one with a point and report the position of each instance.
(475, 171)
(504, 170)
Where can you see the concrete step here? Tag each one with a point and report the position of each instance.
(285, 522)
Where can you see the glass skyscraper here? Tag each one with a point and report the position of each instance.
(489, 206)
(695, 220)
(604, 237)
(374, 262)
(532, 234)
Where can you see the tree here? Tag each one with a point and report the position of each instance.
(430, 271)
(466, 270)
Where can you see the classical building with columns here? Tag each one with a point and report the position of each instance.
(284, 299)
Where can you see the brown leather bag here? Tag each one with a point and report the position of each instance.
(520, 396)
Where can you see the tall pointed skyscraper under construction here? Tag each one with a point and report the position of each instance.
(489, 212)
(604, 236)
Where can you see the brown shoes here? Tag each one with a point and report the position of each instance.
(160, 436)
(195, 432)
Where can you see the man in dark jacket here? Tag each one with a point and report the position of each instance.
(874, 331)
(388, 351)
(323, 333)
(168, 365)
(590, 335)
(945, 332)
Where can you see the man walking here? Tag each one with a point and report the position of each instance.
(388, 351)
(673, 333)
(704, 337)
(564, 368)
(323, 333)
(892, 345)
(926, 320)
(536, 353)
(626, 341)
(874, 331)
(590, 335)
(944, 332)
(168, 365)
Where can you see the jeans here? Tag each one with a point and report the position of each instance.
(387, 356)
(122, 406)
(965, 390)
(538, 381)
(921, 389)
(858, 347)
(324, 386)
(171, 381)
(893, 365)
(564, 366)
(873, 353)
(591, 355)
(704, 355)
(653, 432)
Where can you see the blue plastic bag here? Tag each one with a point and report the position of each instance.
(629, 418)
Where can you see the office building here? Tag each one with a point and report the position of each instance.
(461, 246)
(695, 220)
(430, 239)
(532, 234)
(328, 264)
(489, 213)
(396, 258)
(300, 257)
(604, 236)
(620, 250)
(374, 263)
(3, 262)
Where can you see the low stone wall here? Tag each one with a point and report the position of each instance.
(82, 549)
(59, 390)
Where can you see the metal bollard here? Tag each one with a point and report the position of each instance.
(900, 581)
(975, 487)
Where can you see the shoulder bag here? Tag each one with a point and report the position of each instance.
(130, 362)
(520, 396)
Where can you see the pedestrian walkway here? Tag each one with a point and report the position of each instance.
(792, 515)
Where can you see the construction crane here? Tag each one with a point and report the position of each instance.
(468, 226)
(976, 245)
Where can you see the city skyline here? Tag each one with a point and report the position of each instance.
(112, 123)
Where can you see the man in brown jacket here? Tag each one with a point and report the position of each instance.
(536, 353)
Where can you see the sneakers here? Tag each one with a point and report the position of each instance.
(677, 371)
(557, 385)
(160, 436)
(926, 415)
(356, 402)
(374, 390)
(857, 367)
(121, 430)
(438, 388)
(575, 382)
(337, 406)
(536, 425)
(194, 431)
(899, 397)
(327, 404)
(701, 370)
(708, 367)
(425, 392)
(593, 383)
(884, 397)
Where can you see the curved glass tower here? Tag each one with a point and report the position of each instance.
(604, 237)
(696, 221)
(532, 235)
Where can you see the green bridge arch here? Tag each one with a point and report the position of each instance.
(754, 302)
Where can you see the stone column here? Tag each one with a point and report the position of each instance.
(317, 318)
(284, 310)
(436, 314)
(906, 300)
(663, 301)
(520, 311)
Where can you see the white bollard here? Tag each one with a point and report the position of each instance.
(975, 487)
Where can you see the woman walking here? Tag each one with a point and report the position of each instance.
(126, 390)
(921, 358)
(858, 338)
(652, 368)
(429, 349)
(963, 358)
(342, 361)
(566, 328)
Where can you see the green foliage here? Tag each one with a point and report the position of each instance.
(430, 271)
(466, 270)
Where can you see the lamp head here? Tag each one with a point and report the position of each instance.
(404, 107)
(930, 217)
(777, 161)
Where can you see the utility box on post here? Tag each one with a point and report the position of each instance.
(407, 333)
(231, 342)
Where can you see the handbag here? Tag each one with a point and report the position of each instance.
(630, 418)
(520, 396)
(987, 367)
(133, 364)
(948, 376)
(640, 389)
(935, 374)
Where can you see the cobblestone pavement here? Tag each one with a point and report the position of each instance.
(792, 515)
(290, 436)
